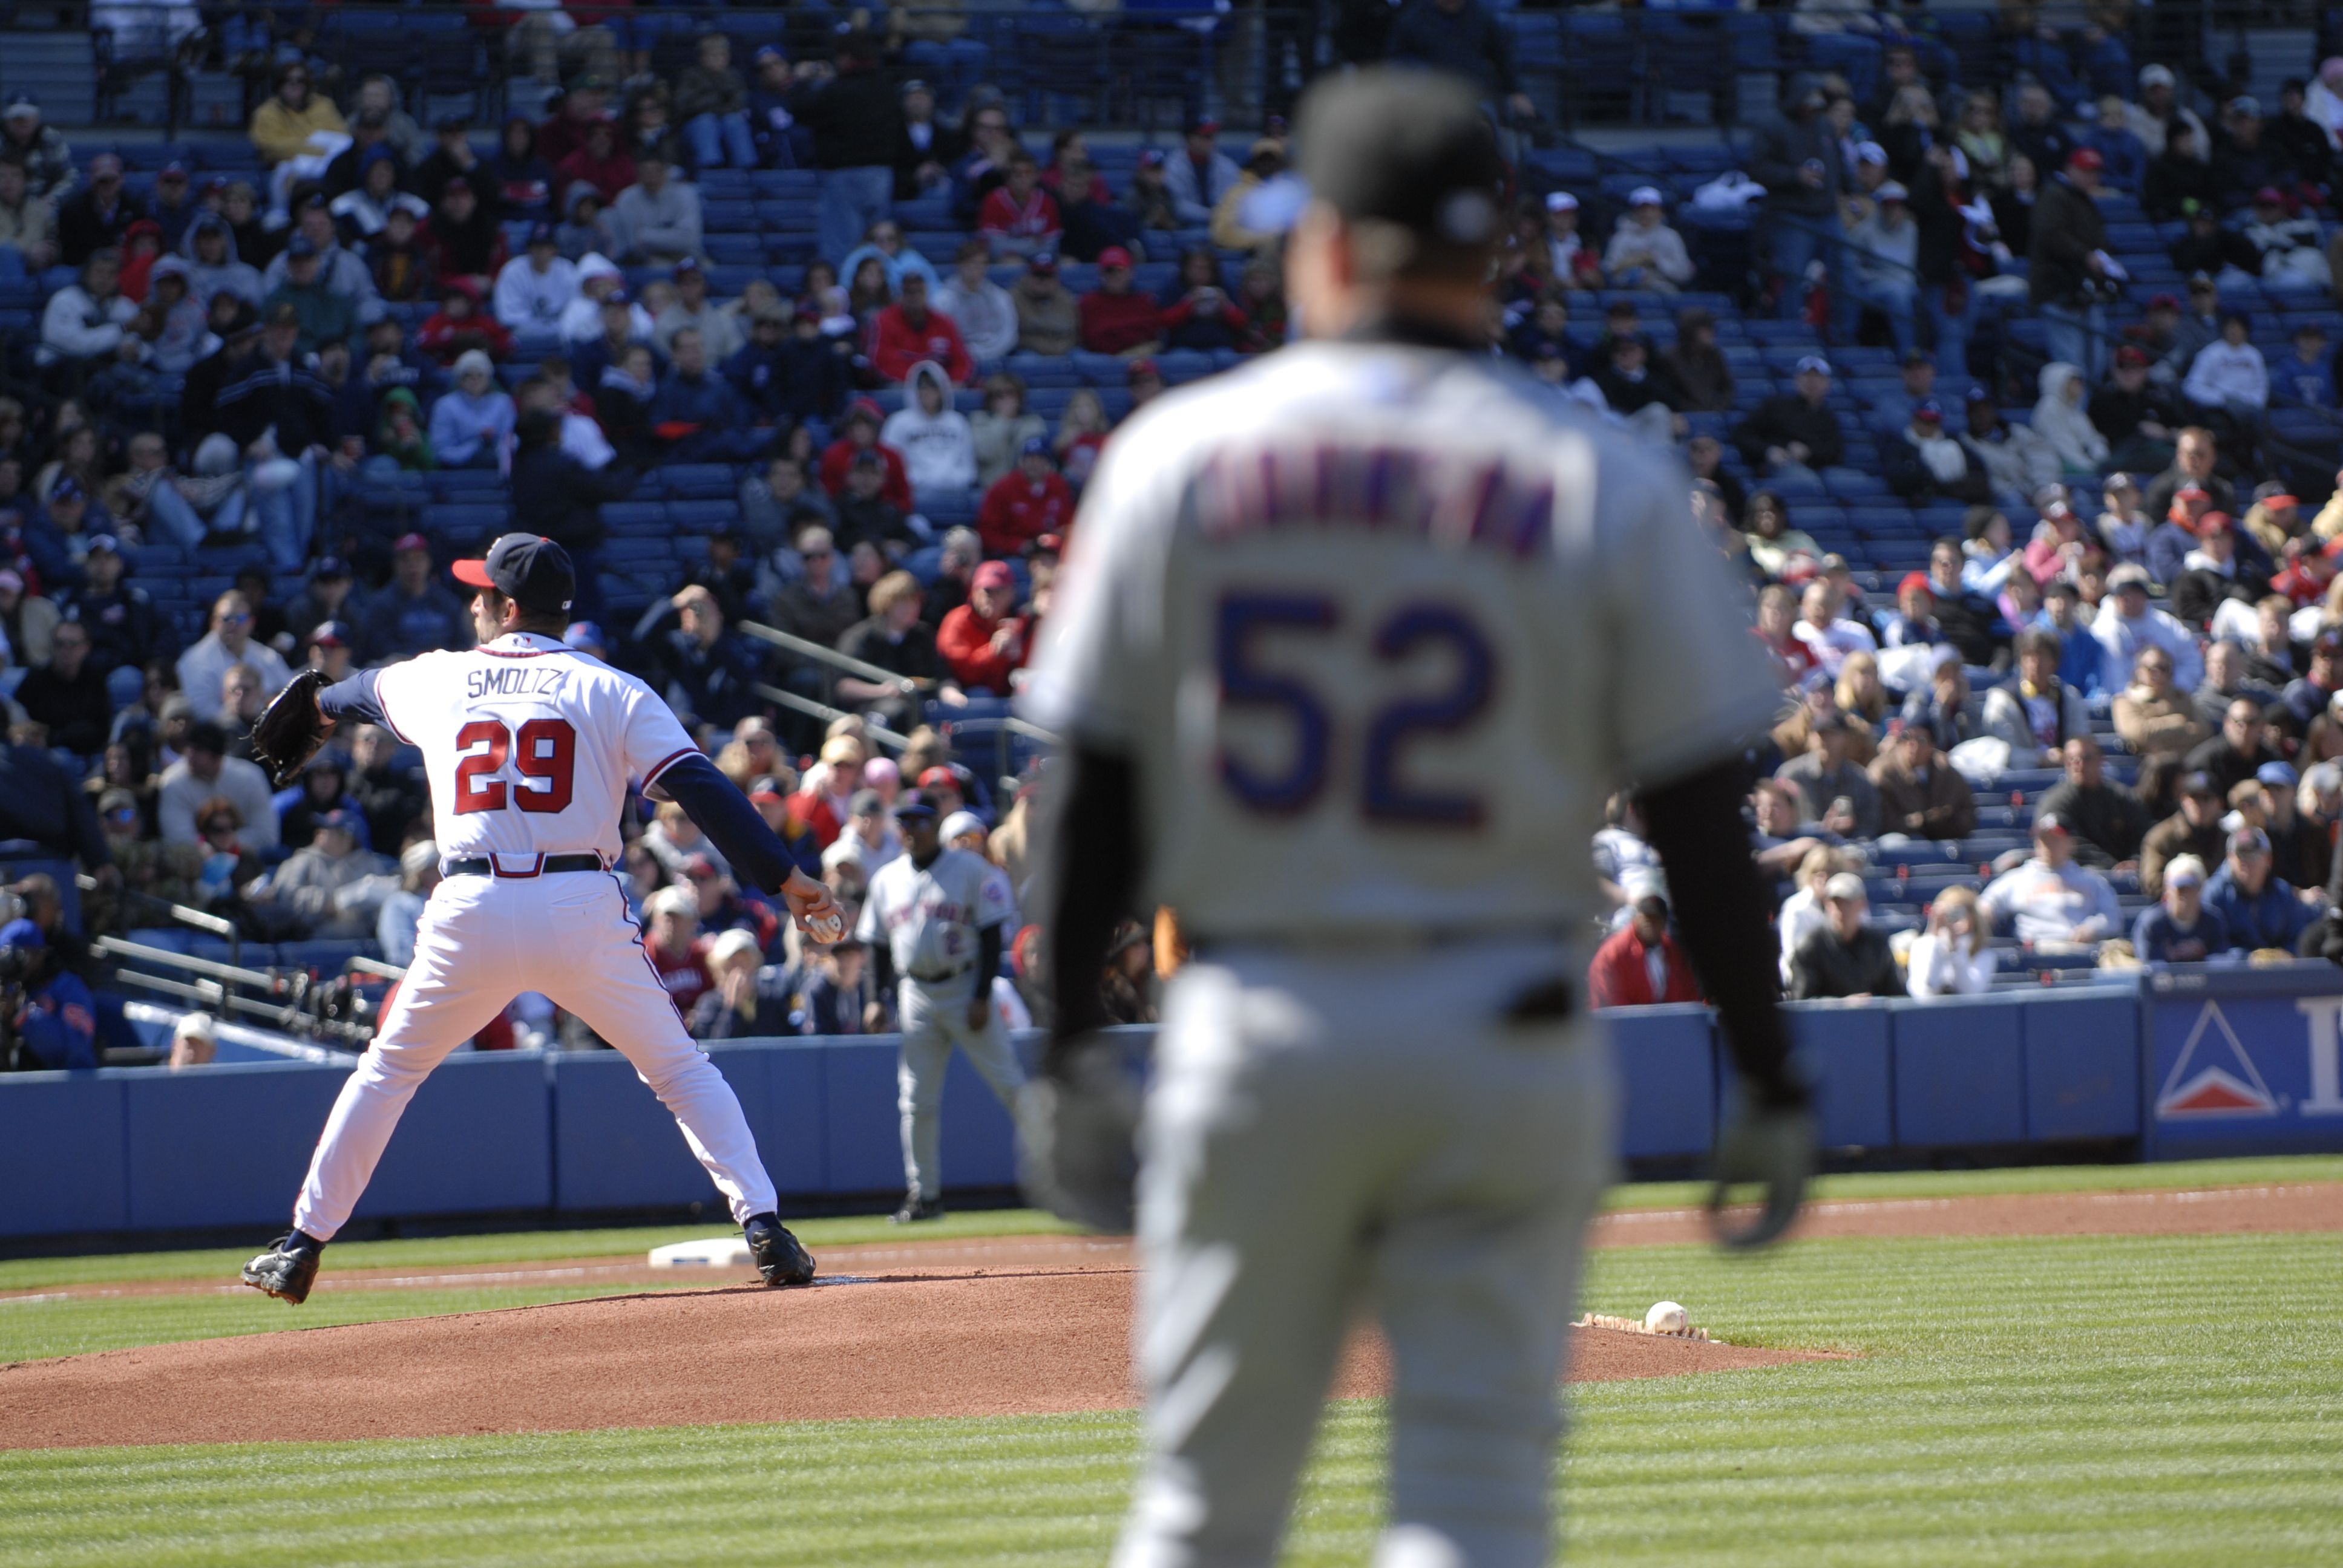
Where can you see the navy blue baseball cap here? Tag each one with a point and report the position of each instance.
(540, 233)
(299, 246)
(333, 633)
(1037, 446)
(912, 803)
(532, 571)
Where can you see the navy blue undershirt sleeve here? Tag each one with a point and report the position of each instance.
(355, 698)
(724, 814)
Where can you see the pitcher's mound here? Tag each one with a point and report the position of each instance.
(993, 1345)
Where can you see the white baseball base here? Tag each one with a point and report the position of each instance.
(717, 1252)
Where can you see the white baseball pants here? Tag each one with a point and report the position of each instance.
(934, 1020)
(483, 941)
(1326, 1134)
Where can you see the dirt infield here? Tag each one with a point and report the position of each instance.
(996, 1345)
(1016, 1325)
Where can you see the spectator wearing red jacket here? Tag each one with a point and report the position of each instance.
(908, 332)
(459, 324)
(981, 640)
(603, 162)
(1023, 506)
(1117, 319)
(859, 432)
(1020, 217)
(1642, 965)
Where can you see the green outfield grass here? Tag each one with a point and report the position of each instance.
(2074, 1400)
(77, 1326)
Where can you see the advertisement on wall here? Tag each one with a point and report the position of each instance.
(2244, 1062)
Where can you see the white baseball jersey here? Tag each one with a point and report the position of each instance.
(529, 745)
(928, 919)
(1381, 628)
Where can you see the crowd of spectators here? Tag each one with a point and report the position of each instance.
(231, 362)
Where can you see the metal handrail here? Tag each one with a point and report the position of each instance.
(844, 663)
(829, 715)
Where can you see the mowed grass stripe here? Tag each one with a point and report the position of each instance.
(2088, 1400)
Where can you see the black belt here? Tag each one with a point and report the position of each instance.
(486, 866)
(939, 979)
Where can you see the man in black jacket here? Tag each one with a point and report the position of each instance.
(559, 497)
(856, 124)
(273, 391)
(2109, 819)
(1795, 436)
(1796, 159)
(126, 630)
(39, 802)
(68, 694)
(2138, 418)
(2067, 279)
(1844, 956)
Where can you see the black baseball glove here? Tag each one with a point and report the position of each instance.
(288, 734)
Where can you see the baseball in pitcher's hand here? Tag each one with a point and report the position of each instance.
(816, 913)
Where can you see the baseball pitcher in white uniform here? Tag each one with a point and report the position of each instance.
(1350, 648)
(529, 746)
(935, 919)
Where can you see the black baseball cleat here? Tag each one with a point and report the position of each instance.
(780, 1257)
(916, 1209)
(286, 1271)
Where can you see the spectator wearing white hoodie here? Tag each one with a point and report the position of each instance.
(938, 449)
(598, 277)
(2059, 418)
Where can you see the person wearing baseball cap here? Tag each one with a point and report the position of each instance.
(331, 644)
(2052, 899)
(2259, 908)
(984, 641)
(413, 613)
(535, 288)
(1116, 318)
(1644, 252)
(1844, 956)
(2179, 929)
(1793, 435)
(2068, 282)
(1030, 500)
(2127, 625)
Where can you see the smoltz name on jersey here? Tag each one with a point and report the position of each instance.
(513, 680)
(1400, 490)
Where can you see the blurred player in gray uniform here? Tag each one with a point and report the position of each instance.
(937, 918)
(1350, 648)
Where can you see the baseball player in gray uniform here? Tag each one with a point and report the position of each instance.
(1351, 647)
(935, 918)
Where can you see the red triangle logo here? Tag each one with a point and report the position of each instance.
(2214, 1092)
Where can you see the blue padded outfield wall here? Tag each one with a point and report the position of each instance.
(2189, 1061)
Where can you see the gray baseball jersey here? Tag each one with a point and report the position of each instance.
(1382, 627)
(928, 919)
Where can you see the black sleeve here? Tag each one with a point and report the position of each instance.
(1695, 825)
(1097, 869)
(724, 814)
(882, 966)
(88, 838)
(988, 957)
(355, 698)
